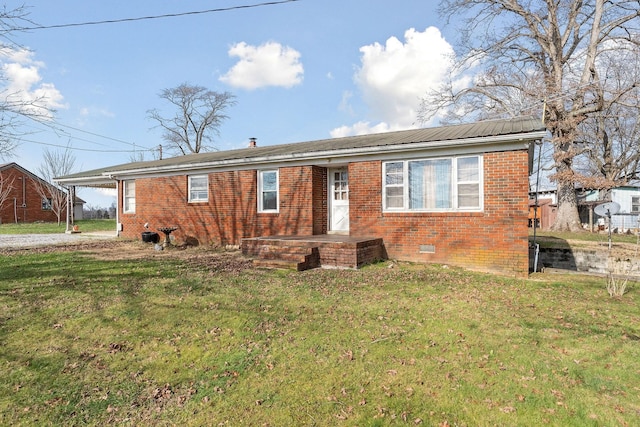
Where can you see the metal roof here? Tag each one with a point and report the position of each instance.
(484, 132)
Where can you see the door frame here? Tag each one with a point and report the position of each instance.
(332, 203)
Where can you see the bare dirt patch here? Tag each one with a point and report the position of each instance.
(208, 257)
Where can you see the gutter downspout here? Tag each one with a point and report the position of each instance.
(535, 213)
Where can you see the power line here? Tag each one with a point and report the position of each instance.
(144, 18)
(96, 134)
(86, 149)
(55, 126)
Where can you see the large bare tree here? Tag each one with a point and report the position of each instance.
(14, 107)
(611, 138)
(55, 164)
(541, 57)
(199, 112)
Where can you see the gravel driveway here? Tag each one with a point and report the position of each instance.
(37, 240)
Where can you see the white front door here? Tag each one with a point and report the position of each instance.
(338, 200)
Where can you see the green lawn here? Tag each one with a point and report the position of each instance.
(90, 340)
(85, 225)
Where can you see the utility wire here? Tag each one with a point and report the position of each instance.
(56, 125)
(86, 149)
(98, 135)
(144, 18)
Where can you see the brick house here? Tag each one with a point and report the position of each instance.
(21, 201)
(456, 195)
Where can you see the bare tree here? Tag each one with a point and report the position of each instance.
(55, 164)
(6, 186)
(200, 112)
(611, 138)
(548, 54)
(14, 107)
(140, 155)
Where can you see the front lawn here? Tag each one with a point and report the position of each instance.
(127, 335)
(85, 225)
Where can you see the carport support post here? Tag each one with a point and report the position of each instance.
(68, 214)
(72, 204)
(71, 197)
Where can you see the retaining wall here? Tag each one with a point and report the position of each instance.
(600, 261)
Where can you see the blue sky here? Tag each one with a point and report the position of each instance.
(300, 71)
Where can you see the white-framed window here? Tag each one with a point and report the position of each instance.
(438, 184)
(268, 191)
(198, 188)
(635, 204)
(46, 204)
(129, 196)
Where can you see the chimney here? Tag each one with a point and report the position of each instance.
(252, 142)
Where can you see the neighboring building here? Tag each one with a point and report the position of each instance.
(543, 207)
(544, 211)
(23, 203)
(455, 195)
(626, 219)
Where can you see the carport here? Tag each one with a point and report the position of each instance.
(93, 180)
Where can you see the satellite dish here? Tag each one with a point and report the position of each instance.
(607, 209)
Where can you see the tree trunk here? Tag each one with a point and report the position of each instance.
(567, 218)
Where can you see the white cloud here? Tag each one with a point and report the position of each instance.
(269, 64)
(96, 112)
(111, 192)
(345, 104)
(393, 77)
(24, 84)
(360, 128)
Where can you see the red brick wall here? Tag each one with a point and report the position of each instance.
(319, 200)
(231, 212)
(28, 201)
(493, 240)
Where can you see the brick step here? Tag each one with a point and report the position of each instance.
(289, 258)
(282, 252)
(276, 263)
(316, 251)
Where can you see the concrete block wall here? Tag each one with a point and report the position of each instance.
(600, 261)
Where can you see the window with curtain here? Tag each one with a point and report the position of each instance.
(268, 191)
(129, 196)
(198, 188)
(442, 184)
(46, 204)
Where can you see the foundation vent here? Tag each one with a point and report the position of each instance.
(427, 249)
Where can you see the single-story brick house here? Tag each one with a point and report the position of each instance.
(455, 194)
(20, 200)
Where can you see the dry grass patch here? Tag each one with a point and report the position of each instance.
(127, 335)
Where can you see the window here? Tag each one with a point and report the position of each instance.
(444, 184)
(199, 188)
(268, 191)
(129, 196)
(635, 204)
(46, 204)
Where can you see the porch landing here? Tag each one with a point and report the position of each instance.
(305, 252)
